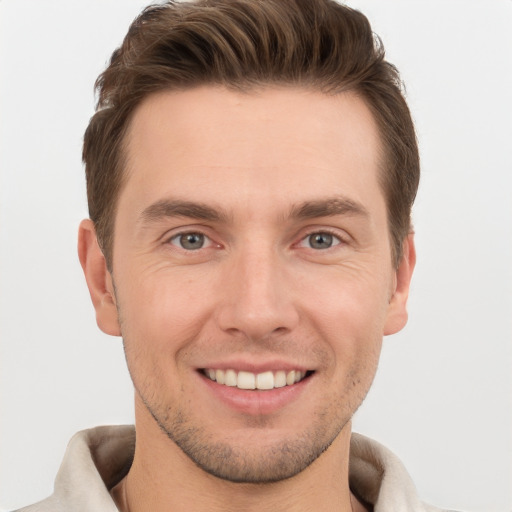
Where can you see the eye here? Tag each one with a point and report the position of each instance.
(320, 241)
(190, 241)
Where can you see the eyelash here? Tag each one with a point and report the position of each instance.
(335, 235)
(179, 236)
(209, 242)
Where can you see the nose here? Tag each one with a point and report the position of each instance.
(258, 295)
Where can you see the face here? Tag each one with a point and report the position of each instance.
(252, 273)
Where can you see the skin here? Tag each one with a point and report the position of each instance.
(270, 170)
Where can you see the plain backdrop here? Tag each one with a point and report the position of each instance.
(442, 396)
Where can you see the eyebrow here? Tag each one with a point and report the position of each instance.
(307, 210)
(177, 208)
(328, 208)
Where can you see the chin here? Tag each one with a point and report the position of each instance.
(257, 456)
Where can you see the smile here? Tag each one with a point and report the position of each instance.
(262, 381)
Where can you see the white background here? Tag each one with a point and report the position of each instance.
(442, 397)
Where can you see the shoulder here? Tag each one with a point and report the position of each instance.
(95, 460)
(379, 477)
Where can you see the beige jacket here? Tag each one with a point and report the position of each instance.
(98, 458)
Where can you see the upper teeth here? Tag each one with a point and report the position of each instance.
(248, 380)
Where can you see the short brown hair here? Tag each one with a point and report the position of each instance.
(242, 44)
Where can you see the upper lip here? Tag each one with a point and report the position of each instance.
(255, 366)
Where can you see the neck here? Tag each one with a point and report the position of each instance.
(163, 478)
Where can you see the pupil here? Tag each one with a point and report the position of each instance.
(192, 241)
(320, 240)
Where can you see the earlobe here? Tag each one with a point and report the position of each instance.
(99, 280)
(397, 309)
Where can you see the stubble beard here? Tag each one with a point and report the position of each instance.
(268, 463)
(247, 462)
(265, 463)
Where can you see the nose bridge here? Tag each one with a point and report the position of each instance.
(258, 299)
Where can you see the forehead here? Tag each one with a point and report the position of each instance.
(277, 141)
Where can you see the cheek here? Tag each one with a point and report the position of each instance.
(161, 313)
(349, 317)
(350, 305)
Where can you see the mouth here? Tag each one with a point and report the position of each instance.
(255, 381)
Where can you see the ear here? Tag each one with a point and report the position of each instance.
(99, 280)
(397, 309)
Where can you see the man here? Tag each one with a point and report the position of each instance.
(251, 170)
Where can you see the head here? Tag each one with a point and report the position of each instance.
(251, 169)
(242, 45)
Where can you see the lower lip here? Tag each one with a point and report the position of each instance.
(256, 402)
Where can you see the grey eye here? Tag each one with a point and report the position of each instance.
(190, 241)
(320, 240)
